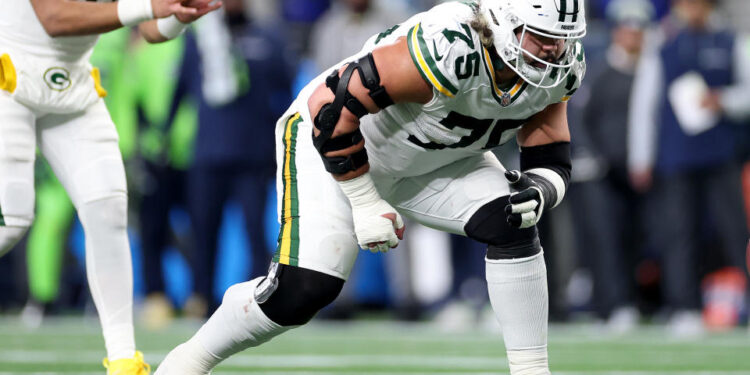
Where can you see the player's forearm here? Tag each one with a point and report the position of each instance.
(346, 129)
(348, 124)
(549, 166)
(162, 30)
(342, 140)
(69, 18)
(150, 31)
(545, 152)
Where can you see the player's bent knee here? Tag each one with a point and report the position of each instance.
(17, 201)
(100, 179)
(9, 236)
(109, 215)
(298, 295)
(504, 241)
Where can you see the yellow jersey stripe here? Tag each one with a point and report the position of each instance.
(434, 77)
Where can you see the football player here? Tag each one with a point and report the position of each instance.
(50, 97)
(404, 128)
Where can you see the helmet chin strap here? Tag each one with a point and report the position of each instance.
(504, 75)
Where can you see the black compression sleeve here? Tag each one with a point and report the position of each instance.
(554, 156)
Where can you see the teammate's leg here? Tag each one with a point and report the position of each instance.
(468, 197)
(315, 253)
(17, 152)
(82, 150)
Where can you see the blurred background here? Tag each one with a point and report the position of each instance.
(654, 229)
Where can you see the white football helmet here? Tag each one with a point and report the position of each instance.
(558, 19)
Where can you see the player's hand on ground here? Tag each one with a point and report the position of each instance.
(526, 204)
(378, 227)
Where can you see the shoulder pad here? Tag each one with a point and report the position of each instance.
(440, 39)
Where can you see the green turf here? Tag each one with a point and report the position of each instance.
(74, 346)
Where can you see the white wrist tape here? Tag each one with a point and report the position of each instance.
(170, 27)
(133, 12)
(554, 178)
(360, 191)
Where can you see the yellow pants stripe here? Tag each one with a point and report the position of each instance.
(287, 250)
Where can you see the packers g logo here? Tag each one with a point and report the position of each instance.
(57, 79)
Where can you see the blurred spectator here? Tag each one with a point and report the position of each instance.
(467, 304)
(343, 30)
(46, 245)
(244, 88)
(165, 150)
(687, 92)
(300, 16)
(737, 10)
(611, 220)
(13, 280)
(599, 8)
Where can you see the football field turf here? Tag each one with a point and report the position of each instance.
(74, 346)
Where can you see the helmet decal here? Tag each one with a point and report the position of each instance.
(568, 15)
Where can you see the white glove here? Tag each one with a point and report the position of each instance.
(377, 225)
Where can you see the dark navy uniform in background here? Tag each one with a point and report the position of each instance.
(234, 150)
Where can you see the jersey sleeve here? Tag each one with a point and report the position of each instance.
(575, 77)
(435, 44)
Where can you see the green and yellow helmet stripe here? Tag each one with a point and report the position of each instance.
(287, 250)
(426, 65)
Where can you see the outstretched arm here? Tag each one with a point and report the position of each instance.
(377, 225)
(163, 29)
(545, 166)
(69, 18)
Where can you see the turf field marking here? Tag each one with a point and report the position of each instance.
(327, 372)
(278, 361)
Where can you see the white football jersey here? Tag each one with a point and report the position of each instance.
(21, 30)
(468, 115)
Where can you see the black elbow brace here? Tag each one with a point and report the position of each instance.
(329, 115)
(553, 156)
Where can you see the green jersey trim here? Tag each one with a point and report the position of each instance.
(503, 98)
(420, 53)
